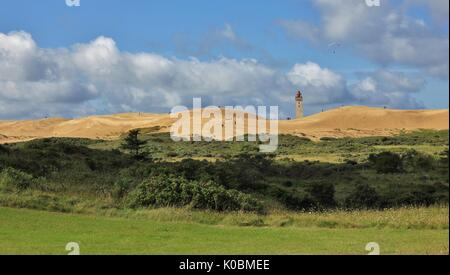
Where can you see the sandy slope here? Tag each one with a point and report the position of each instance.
(365, 121)
(346, 121)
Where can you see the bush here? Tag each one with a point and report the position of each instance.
(362, 197)
(4, 149)
(15, 180)
(444, 156)
(294, 201)
(414, 161)
(323, 194)
(328, 139)
(288, 183)
(386, 162)
(121, 187)
(418, 195)
(172, 191)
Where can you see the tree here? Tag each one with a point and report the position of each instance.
(133, 144)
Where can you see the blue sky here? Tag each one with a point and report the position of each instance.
(115, 56)
(156, 26)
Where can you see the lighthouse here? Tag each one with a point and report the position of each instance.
(299, 110)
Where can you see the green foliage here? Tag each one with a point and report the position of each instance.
(100, 174)
(328, 139)
(414, 161)
(418, 195)
(444, 157)
(133, 144)
(323, 194)
(121, 187)
(386, 162)
(4, 149)
(362, 197)
(15, 180)
(300, 201)
(172, 191)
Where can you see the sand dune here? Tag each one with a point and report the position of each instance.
(365, 121)
(341, 122)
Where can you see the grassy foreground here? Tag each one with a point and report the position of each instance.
(420, 231)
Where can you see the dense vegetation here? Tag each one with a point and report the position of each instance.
(377, 172)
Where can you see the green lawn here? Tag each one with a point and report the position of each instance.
(37, 232)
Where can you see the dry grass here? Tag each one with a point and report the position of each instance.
(436, 217)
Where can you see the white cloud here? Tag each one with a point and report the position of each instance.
(97, 74)
(319, 85)
(97, 77)
(391, 89)
(384, 34)
(98, 57)
(15, 48)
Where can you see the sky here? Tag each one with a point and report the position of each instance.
(112, 56)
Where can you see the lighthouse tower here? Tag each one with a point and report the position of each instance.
(299, 110)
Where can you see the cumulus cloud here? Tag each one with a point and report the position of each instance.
(319, 85)
(383, 34)
(39, 81)
(385, 88)
(97, 77)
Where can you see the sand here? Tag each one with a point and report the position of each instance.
(341, 122)
(364, 121)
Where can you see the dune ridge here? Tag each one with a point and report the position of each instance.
(341, 122)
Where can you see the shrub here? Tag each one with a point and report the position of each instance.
(4, 149)
(121, 187)
(444, 156)
(12, 179)
(288, 183)
(362, 197)
(328, 139)
(386, 162)
(323, 194)
(413, 161)
(172, 191)
(418, 195)
(294, 201)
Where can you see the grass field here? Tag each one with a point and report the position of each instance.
(238, 201)
(420, 231)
